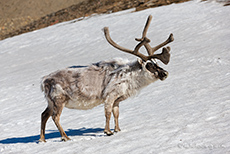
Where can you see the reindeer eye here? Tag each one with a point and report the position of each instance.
(150, 67)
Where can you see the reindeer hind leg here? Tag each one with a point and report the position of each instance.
(58, 107)
(44, 117)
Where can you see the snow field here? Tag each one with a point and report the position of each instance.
(189, 112)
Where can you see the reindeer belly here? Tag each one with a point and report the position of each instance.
(83, 104)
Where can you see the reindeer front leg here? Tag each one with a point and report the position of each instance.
(109, 102)
(108, 111)
(116, 113)
(112, 105)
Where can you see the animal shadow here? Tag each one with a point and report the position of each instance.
(54, 134)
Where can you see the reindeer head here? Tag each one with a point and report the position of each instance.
(149, 61)
(152, 70)
(156, 71)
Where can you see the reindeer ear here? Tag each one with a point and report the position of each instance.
(140, 61)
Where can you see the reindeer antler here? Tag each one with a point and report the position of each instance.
(163, 57)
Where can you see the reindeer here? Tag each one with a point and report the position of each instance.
(108, 82)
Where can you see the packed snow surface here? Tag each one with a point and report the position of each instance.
(189, 112)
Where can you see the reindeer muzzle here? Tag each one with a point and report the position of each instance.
(162, 74)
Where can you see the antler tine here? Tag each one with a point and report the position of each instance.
(144, 33)
(145, 28)
(170, 39)
(134, 52)
(163, 57)
(147, 46)
(108, 38)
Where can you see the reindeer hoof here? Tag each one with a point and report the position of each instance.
(41, 140)
(117, 130)
(65, 139)
(108, 132)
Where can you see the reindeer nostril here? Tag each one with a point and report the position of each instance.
(165, 74)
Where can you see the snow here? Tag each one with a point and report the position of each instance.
(189, 112)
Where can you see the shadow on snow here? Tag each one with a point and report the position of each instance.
(70, 132)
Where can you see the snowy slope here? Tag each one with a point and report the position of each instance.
(189, 112)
